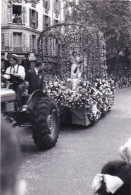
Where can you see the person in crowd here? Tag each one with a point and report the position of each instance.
(125, 151)
(15, 19)
(115, 176)
(16, 75)
(10, 162)
(75, 67)
(19, 20)
(35, 77)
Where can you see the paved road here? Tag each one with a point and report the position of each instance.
(68, 168)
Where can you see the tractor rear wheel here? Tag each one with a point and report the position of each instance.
(45, 123)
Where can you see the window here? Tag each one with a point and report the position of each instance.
(17, 42)
(33, 43)
(46, 4)
(57, 7)
(3, 41)
(56, 21)
(17, 14)
(46, 21)
(33, 18)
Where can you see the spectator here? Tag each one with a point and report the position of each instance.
(10, 162)
(125, 151)
(115, 177)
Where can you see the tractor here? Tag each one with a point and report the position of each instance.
(41, 114)
(84, 99)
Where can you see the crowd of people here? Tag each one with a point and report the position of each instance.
(122, 82)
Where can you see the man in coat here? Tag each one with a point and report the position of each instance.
(35, 77)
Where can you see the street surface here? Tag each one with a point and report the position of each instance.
(80, 153)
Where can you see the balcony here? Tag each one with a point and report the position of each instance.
(56, 15)
(46, 11)
(34, 50)
(17, 49)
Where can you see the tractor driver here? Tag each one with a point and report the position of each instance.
(16, 75)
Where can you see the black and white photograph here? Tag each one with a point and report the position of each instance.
(65, 97)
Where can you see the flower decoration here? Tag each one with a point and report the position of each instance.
(96, 99)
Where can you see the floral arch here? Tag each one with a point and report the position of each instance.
(56, 44)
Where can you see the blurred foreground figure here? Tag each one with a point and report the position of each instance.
(10, 162)
(115, 176)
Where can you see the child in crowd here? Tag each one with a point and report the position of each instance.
(115, 177)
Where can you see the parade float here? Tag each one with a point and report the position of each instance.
(75, 67)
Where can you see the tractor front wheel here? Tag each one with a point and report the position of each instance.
(45, 123)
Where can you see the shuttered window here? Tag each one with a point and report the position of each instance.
(10, 14)
(30, 15)
(24, 15)
(43, 22)
(34, 43)
(36, 19)
(57, 6)
(31, 43)
(3, 41)
(33, 18)
(46, 21)
(17, 42)
(46, 4)
(23, 42)
(11, 41)
(43, 3)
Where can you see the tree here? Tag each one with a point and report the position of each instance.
(110, 17)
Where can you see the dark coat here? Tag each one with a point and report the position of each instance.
(35, 81)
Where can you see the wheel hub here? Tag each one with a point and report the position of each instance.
(51, 124)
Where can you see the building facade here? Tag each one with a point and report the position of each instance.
(22, 22)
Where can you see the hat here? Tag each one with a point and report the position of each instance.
(14, 56)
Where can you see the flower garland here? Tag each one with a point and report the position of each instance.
(96, 100)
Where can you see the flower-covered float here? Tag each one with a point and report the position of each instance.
(87, 102)
(75, 66)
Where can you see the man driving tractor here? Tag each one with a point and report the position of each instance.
(15, 74)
